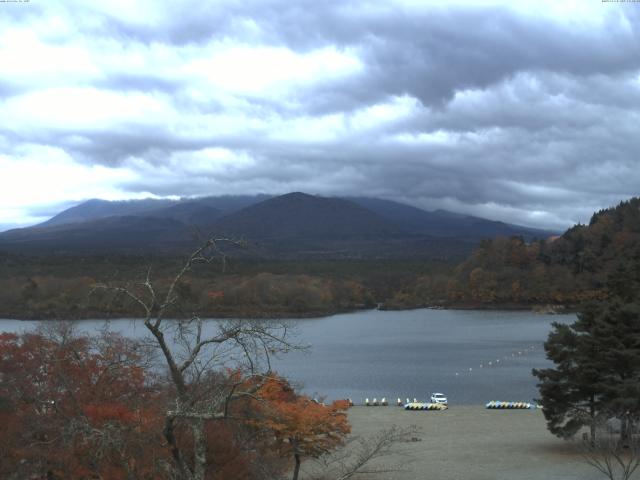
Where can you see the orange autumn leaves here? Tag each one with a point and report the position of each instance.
(75, 408)
(78, 408)
(300, 424)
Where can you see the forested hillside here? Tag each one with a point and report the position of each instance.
(563, 270)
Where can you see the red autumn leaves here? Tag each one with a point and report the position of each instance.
(79, 408)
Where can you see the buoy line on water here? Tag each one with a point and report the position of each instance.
(498, 361)
(484, 365)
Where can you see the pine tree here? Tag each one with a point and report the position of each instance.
(614, 335)
(597, 361)
(570, 392)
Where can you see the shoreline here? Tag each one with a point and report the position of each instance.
(94, 314)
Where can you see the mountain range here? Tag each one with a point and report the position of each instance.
(294, 225)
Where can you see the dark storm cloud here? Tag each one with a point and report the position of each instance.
(488, 110)
(428, 53)
(431, 56)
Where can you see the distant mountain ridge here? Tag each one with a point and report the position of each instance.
(159, 208)
(295, 224)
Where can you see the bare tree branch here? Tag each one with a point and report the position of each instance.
(615, 459)
(365, 456)
(194, 355)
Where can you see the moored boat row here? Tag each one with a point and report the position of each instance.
(495, 404)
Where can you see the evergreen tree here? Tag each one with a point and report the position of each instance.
(570, 392)
(614, 335)
(597, 361)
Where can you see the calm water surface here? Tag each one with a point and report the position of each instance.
(406, 354)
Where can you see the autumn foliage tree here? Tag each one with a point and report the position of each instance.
(301, 426)
(569, 269)
(76, 408)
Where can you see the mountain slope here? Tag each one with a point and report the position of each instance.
(298, 215)
(295, 224)
(96, 209)
(106, 234)
(442, 223)
(190, 213)
(207, 210)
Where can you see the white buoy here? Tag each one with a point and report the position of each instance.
(490, 363)
(457, 374)
(480, 365)
(498, 360)
(470, 369)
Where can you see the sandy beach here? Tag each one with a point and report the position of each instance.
(473, 443)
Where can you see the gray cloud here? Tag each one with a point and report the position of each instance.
(526, 118)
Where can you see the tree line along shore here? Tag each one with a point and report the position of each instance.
(561, 273)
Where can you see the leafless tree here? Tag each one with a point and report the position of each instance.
(614, 458)
(195, 351)
(365, 456)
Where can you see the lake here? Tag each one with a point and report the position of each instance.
(469, 355)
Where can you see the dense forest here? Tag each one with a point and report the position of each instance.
(563, 271)
(503, 272)
(61, 286)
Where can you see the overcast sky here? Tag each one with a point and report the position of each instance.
(527, 112)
